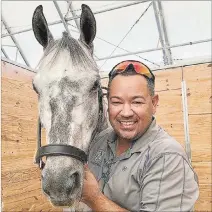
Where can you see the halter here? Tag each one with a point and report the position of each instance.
(63, 149)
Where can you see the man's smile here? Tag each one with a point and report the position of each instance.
(127, 124)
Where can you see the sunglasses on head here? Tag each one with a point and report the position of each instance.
(139, 68)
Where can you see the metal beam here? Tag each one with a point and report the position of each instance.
(160, 32)
(155, 49)
(15, 41)
(73, 18)
(166, 54)
(61, 17)
(5, 54)
(70, 5)
(185, 118)
(74, 14)
(163, 25)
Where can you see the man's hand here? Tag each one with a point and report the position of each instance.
(90, 190)
(93, 197)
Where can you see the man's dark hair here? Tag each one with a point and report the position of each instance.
(130, 72)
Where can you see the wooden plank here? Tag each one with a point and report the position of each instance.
(168, 79)
(18, 105)
(204, 202)
(198, 81)
(203, 170)
(13, 72)
(169, 114)
(170, 102)
(200, 137)
(173, 126)
(19, 88)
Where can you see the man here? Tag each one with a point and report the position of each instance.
(136, 165)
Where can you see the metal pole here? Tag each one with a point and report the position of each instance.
(163, 25)
(74, 14)
(61, 17)
(113, 8)
(15, 41)
(155, 49)
(5, 54)
(185, 118)
(165, 59)
(73, 18)
(77, 20)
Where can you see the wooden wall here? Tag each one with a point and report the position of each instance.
(21, 184)
(21, 189)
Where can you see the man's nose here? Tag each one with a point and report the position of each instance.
(127, 110)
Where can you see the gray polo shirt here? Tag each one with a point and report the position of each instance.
(153, 175)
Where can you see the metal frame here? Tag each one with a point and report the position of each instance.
(166, 48)
(15, 41)
(70, 5)
(76, 17)
(155, 49)
(5, 53)
(159, 17)
(61, 17)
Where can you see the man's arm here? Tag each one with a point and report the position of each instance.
(168, 184)
(93, 197)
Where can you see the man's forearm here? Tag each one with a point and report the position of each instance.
(102, 203)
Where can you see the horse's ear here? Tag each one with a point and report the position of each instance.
(87, 26)
(40, 27)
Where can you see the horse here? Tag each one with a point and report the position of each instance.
(70, 106)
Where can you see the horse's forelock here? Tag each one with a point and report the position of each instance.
(79, 53)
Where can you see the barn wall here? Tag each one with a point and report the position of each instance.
(21, 178)
(21, 186)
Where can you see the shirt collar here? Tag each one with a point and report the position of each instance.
(146, 138)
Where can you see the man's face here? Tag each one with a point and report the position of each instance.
(130, 106)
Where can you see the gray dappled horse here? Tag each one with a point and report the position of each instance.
(70, 103)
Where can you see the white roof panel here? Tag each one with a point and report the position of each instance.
(186, 21)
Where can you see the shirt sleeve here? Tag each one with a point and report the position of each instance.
(169, 184)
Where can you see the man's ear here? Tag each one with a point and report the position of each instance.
(155, 100)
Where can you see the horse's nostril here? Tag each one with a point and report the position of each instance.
(73, 183)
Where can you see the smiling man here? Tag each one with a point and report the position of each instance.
(136, 165)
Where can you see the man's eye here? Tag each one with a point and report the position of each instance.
(116, 103)
(137, 103)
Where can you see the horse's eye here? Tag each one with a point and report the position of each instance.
(95, 86)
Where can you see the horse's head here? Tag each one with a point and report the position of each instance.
(68, 87)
